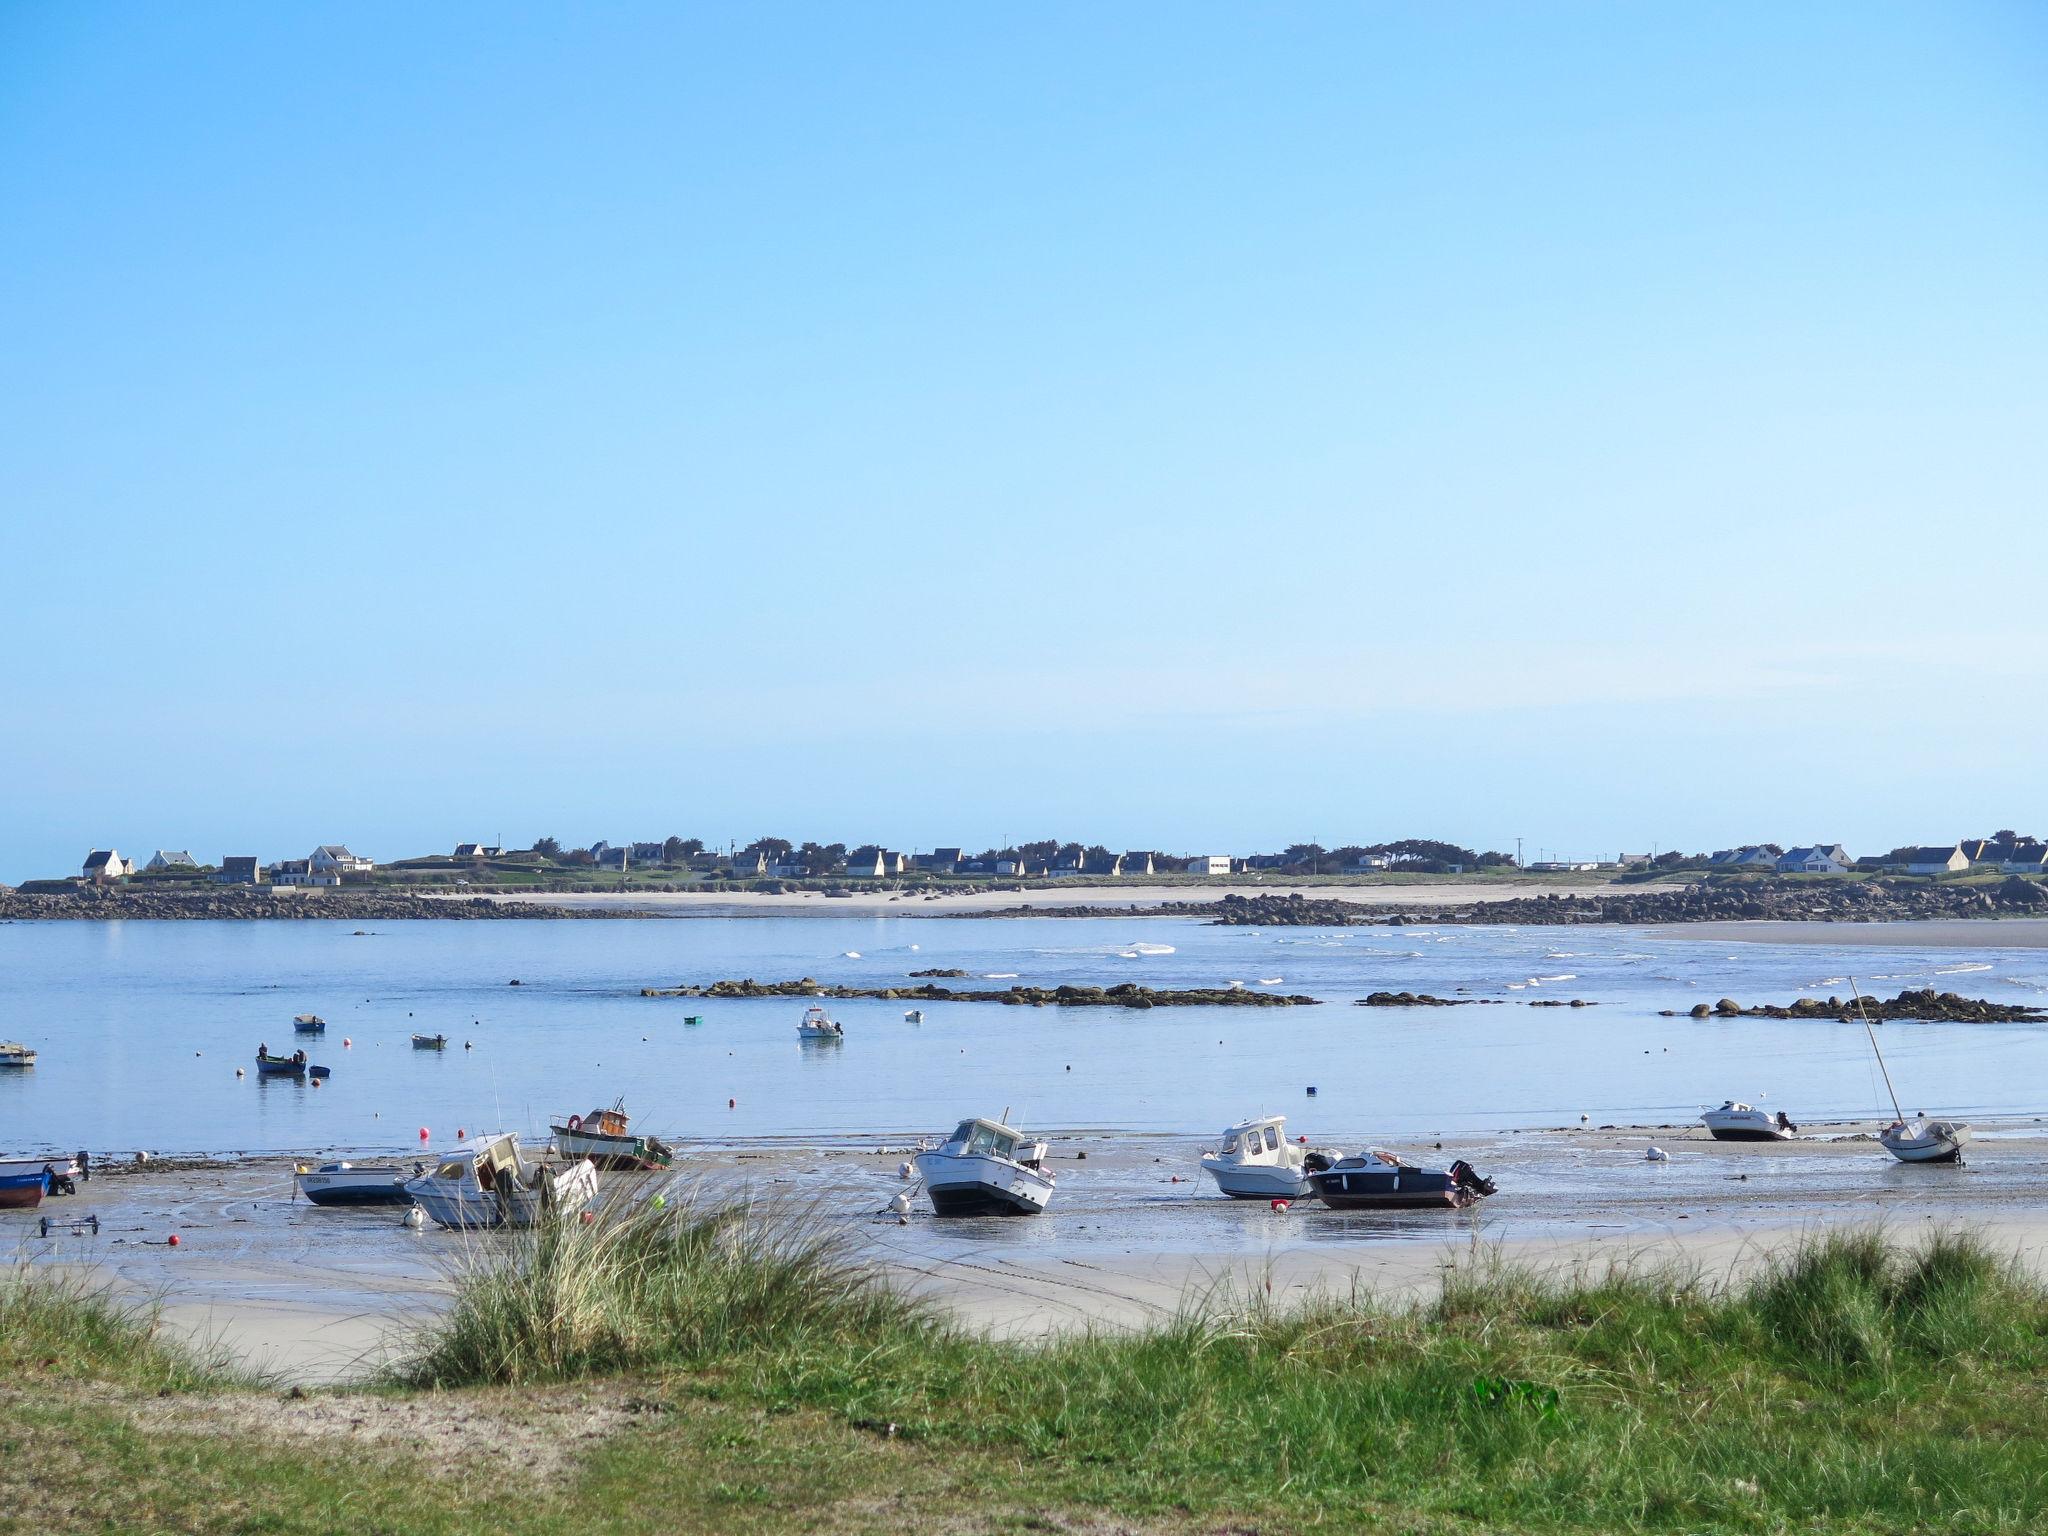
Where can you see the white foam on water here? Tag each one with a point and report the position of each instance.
(1151, 949)
(850, 954)
(1270, 981)
(1567, 976)
(998, 975)
(1959, 970)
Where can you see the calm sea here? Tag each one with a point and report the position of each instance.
(142, 1025)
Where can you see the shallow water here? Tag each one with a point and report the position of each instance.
(141, 1027)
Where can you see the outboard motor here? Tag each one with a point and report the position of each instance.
(1465, 1176)
(1316, 1162)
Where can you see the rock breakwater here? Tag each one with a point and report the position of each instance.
(240, 902)
(1127, 995)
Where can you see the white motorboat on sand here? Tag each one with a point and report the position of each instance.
(487, 1182)
(1737, 1121)
(1256, 1161)
(986, 1168)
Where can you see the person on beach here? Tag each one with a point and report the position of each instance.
(84, 1166)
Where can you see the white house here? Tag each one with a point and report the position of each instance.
(1821, 859)
(1373, 861)
(302, 872)
(1937, 861)
(171, 858)
(1209, 864)
(335, 859)
(103, 866)
(749, 864)
(866, 864)
(1751, 857)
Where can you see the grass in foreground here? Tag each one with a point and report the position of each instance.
(1847, 1387)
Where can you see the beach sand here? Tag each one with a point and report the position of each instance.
(930, 904)
(1134, 1234)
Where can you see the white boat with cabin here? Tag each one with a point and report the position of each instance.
(816, 1024)
(487, 1182)
(14, 1054)
(986, 1168)
(1256, 1161)
(1737, 1121)
(350, 1184)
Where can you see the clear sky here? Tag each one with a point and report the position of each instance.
(1180, 425)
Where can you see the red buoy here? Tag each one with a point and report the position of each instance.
(174, 1239)
(461, 1134)
(1282, 1205)
(423, 1133)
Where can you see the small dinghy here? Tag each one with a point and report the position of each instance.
(817, 1025)
(1380, 1181)
(268, 1065)
(1256, 1161)
(1918, 1140)
(24, 1191)
(603, 1137)
(430, 1042)
(347, 1184)
(309, 1024)
(1736, 1121)
(487, 1182)
(14, 1054)
(986, 1168)
(914, 1016)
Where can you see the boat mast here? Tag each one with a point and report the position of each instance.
(1887, 1071)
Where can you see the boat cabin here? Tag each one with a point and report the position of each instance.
(991, 1138)
(1256, 1141)
(484, 1161)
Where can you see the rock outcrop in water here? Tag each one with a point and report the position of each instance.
(1127, 995)
(238, 902)
(1926, 1003)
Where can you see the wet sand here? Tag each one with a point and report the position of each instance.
(1958, 933)
(923, 904)
(1135, 1231)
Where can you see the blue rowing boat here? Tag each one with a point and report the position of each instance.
(293, 1065)
(23, 1191)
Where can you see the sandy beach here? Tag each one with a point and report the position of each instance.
(1136, 1233)
(952, 903)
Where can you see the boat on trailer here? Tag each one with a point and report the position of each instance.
(308, 1024)
(986, 1168)
(1737, 1121)
(1376, 1180)
(488, 1182)
(1256, 1161)
(603, 1137)
(14, 1054)
(816, 1024)
(351, 1184)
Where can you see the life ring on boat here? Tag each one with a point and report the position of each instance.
(575, 1122)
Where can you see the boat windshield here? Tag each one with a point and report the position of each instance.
(988, 1142)
(454, 1168)
(963, 1131)
(1272, 1139)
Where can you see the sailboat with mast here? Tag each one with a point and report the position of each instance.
(1918, 1140)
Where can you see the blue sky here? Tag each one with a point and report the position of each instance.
(1201, 426)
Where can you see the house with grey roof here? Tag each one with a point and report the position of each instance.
(2028, 856)
(335, 859)
(1139, 863)
(171, 858)
(1937, 861)
(1750, 856)
(103, 866)
(239, 869)
(867, 864)
(1822, 859)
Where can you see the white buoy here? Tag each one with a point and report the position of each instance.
(902, 1202)
(1656, 1155)
(1584, 1117)
(415, 1218)
(903, 1170)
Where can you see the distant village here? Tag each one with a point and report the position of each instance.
(769, 858)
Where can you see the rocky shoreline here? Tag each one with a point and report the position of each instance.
(241, 902)
(1924, 1004)
(1126, 995)
(1717, 899)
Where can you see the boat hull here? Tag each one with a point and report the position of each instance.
(280, 1069)
(617, 1154)
(464, 1207)
(385, 1186)
(981, 1186)
(1939, 1148)
(1256, 1182)
(1404, 1189)
(23, 1191)
(1745, 1133)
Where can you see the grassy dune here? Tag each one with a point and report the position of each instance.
(776, 1384)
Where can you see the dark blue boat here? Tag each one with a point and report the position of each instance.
(268, 1065)
(23, 1191)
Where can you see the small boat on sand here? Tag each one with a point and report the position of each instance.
(349, 1184)
(986, 1168)
(430, 1042)
(309, 1024)
(14, 1054)
(488, 1182)
(1380, 1181)
(1256, 1161)
(23, 1191)
(63, 1165)
(1918, 1140)
(603, 1137)
(816, 1024)
(268, 1065)
(1736, 1121)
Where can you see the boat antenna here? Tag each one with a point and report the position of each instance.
(1887, 1071)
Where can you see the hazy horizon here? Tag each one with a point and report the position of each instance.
(1184, 427)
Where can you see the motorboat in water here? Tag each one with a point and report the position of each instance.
(430, 1042)
(986, 1168)
(1736, 1121)
(1256, 1161)
(816, 1024)
(603, 1137)
(1918, 1140)
(308, 1024)
(1375, 1180)
(348, 1184)
(14, 1054)
(268, 1065)
(913, 1016)
(487, 1182)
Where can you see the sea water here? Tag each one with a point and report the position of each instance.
(141, 1027)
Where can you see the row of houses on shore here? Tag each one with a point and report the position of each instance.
(2019, 856)
(326, 865)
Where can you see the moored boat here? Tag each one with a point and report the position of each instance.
(309, 1024)
(816, 1024)
(350, 1184)
(1736, 1121)
(986, 1168)
(603, 1137)
(487, 1182)
(14, 1054)
(430, 1042)
(268, 1065)
(1921, 1140)
(63, 1166)
(1256, 1161)
(1380, 1181)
